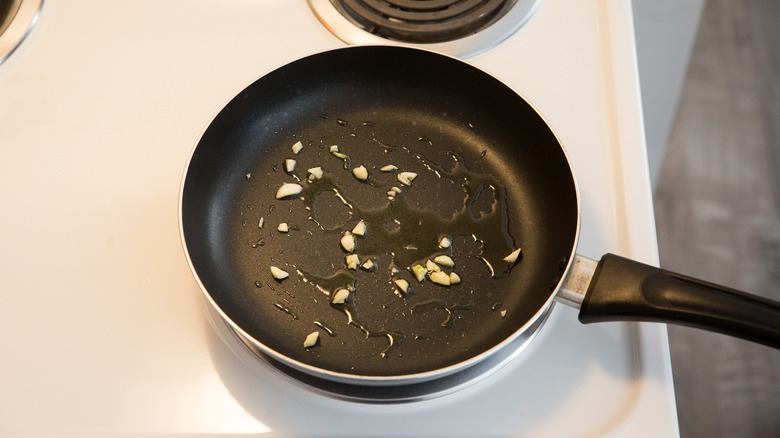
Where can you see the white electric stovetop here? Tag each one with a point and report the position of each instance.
(103, 328)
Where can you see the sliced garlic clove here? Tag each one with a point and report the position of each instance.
(279, 274)
(445, 242)
(440, 277)
(360, 173)
(311, 340)
(287, 190)
(454, 278)
(402, 285)
(348, 242)
(406, 178)
(340, 297)
(283, 227)
(431, 267)
(419, 272)
(297, 147)
(444, 260)
(352, 261)
(512, 258)
(389, 168)
(360, 228)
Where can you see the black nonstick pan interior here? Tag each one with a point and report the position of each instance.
(454, 126)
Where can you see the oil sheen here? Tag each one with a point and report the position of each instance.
(405, 232)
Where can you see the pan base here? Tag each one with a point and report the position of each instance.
(376, 394)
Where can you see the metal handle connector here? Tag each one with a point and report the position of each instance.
(576, 283)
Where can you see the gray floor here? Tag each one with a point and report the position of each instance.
(718, 213)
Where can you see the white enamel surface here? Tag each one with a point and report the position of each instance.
(103, 326)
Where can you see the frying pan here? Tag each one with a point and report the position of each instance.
(490, 176)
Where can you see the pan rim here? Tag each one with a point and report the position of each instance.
(395, 379)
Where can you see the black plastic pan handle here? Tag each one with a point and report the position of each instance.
(623, 289)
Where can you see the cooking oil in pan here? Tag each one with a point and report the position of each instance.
(415, 234)
(432, 305)
(413, 237)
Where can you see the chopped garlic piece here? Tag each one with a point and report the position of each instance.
(315, 173)
(503, 313)
(348, 242)
(368, 265)
(440, 277)
(454, 278)
(360, 173)
(297, 147)
(431, 267)
(288, 189)
(389, 168)
(402, 285)
(512, 258)
(260, 223)
(289, 164)
(352, 261)
(335, 151)
(279, 274)
(444, 260)
(360, 229)
(445, 242)
(283, 227)
(340, 296)
(311, 339)
(419, 272)
(393, 191)
(406, 178)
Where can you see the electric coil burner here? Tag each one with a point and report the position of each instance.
(457, 27)
(429, 21)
